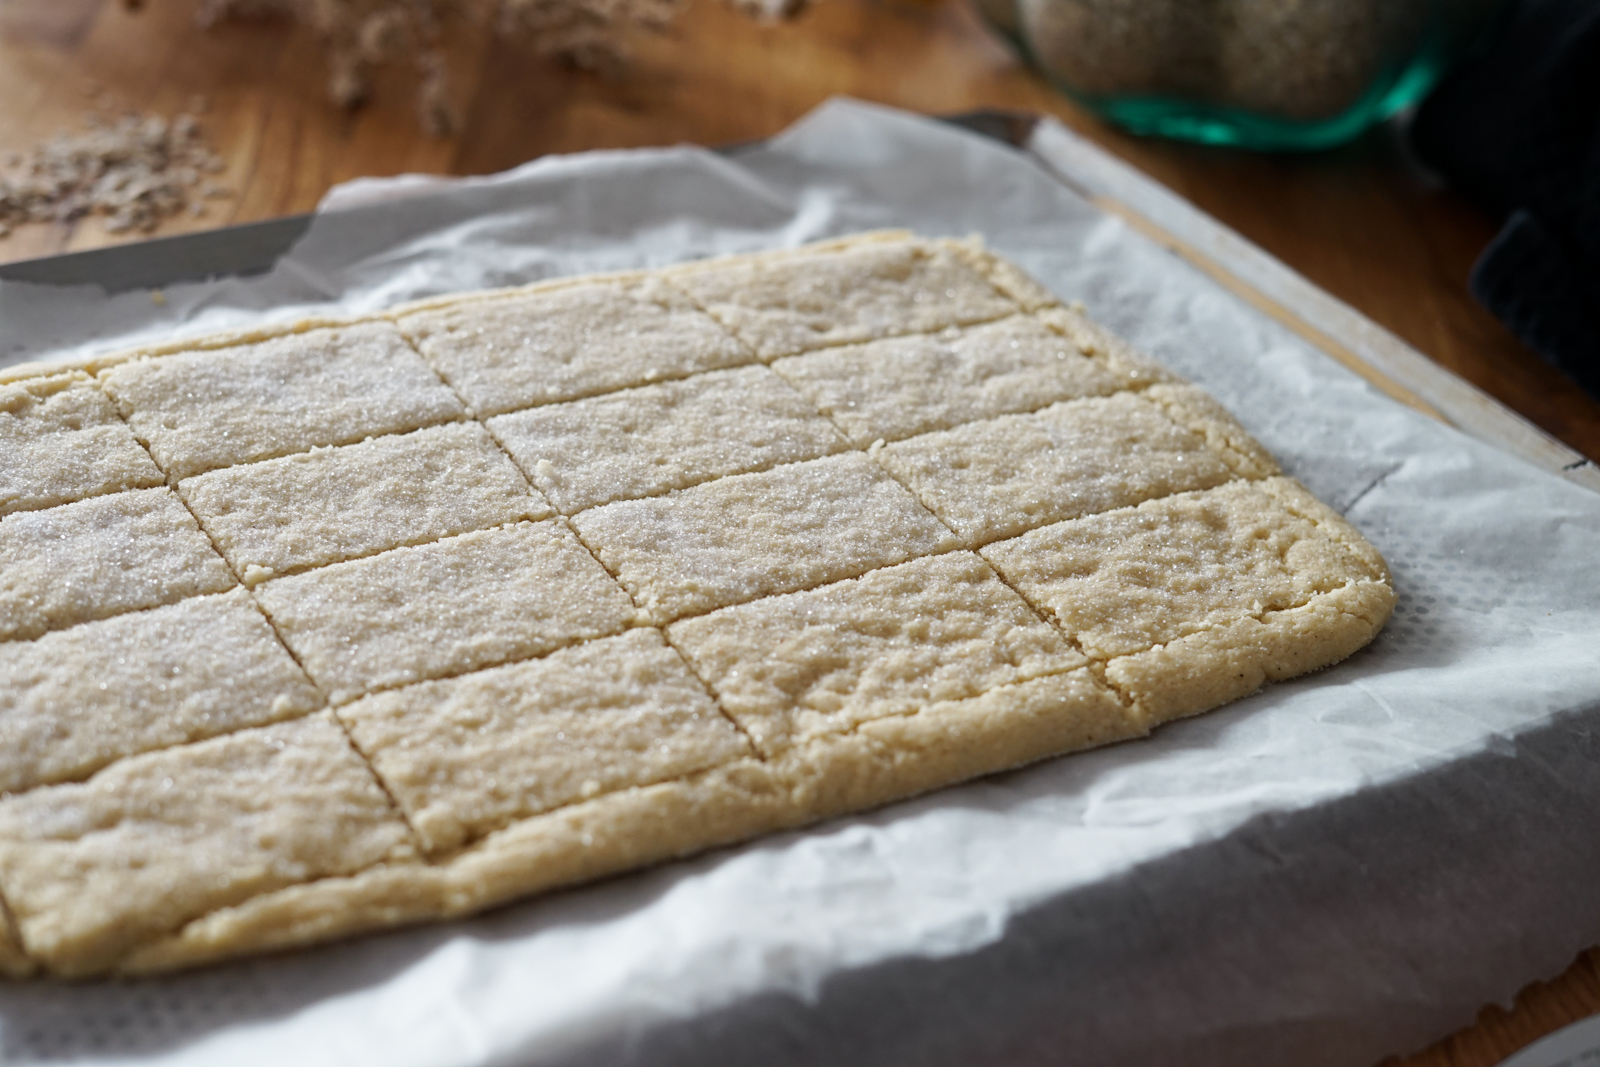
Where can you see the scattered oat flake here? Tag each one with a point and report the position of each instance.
(135, 171)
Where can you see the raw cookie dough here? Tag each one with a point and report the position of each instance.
(850, 291)
(933, 630)
(455, 605)
(468, 755)
(547, 584)
(1127, 580)
(1005, 476)
(895, 388)
(149, 843)
(753, 535)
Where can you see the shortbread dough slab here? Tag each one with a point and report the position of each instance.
(1125, 581)
(850, 291)
(569, 340)
(1206, 669)
(62, 440)
(938, 629)
(1002, 477)
(884, 760)
(902, 386)
(469, 755)
(755, 535)
(831, 527)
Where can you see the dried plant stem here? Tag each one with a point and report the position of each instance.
(362, 35)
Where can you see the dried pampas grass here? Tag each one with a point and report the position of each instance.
(362, 35)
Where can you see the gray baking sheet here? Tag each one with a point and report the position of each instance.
(1338, 868)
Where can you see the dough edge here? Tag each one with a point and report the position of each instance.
(881, 761)
(267, 331)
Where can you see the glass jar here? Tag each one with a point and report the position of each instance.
(1270, 74)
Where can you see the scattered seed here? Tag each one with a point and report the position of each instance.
(134, 170)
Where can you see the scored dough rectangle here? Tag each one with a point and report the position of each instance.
(894, 388)
(797, 526)
(1126, 580)
(62, 441)
(335, 504)
(92, 869)
(569, 341)
(455, 605)
(78, 699)
(469, 755)
(933, 630)
(101, 557)
(1001, 477)
(217, 408)
(793, 302)
(544, 584)
(649, 441)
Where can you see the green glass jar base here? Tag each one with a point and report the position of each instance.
(1188, 120)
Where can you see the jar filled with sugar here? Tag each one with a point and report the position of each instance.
(1269, 74)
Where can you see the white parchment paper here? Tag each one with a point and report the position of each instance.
(1338, 868)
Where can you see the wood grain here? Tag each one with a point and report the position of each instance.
(1542, 1008)
(1360, 221)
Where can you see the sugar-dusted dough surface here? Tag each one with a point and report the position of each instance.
(936, 629)
(468, 755)
(516, 351)
(62, 440)
(101, 557)
(796, 301)
(892, 389)
(451, 606)
(334, 504)
(346, 626)
(78, 699)
(93, 869)
(754, 535)
(204, 410)
(1126, 580)
(1002, 477)
(648, 441)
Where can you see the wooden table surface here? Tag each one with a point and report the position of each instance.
(1358, 221)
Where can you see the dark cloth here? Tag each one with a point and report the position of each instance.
(1516, 128)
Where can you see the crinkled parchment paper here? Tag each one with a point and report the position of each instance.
(1340, 867)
